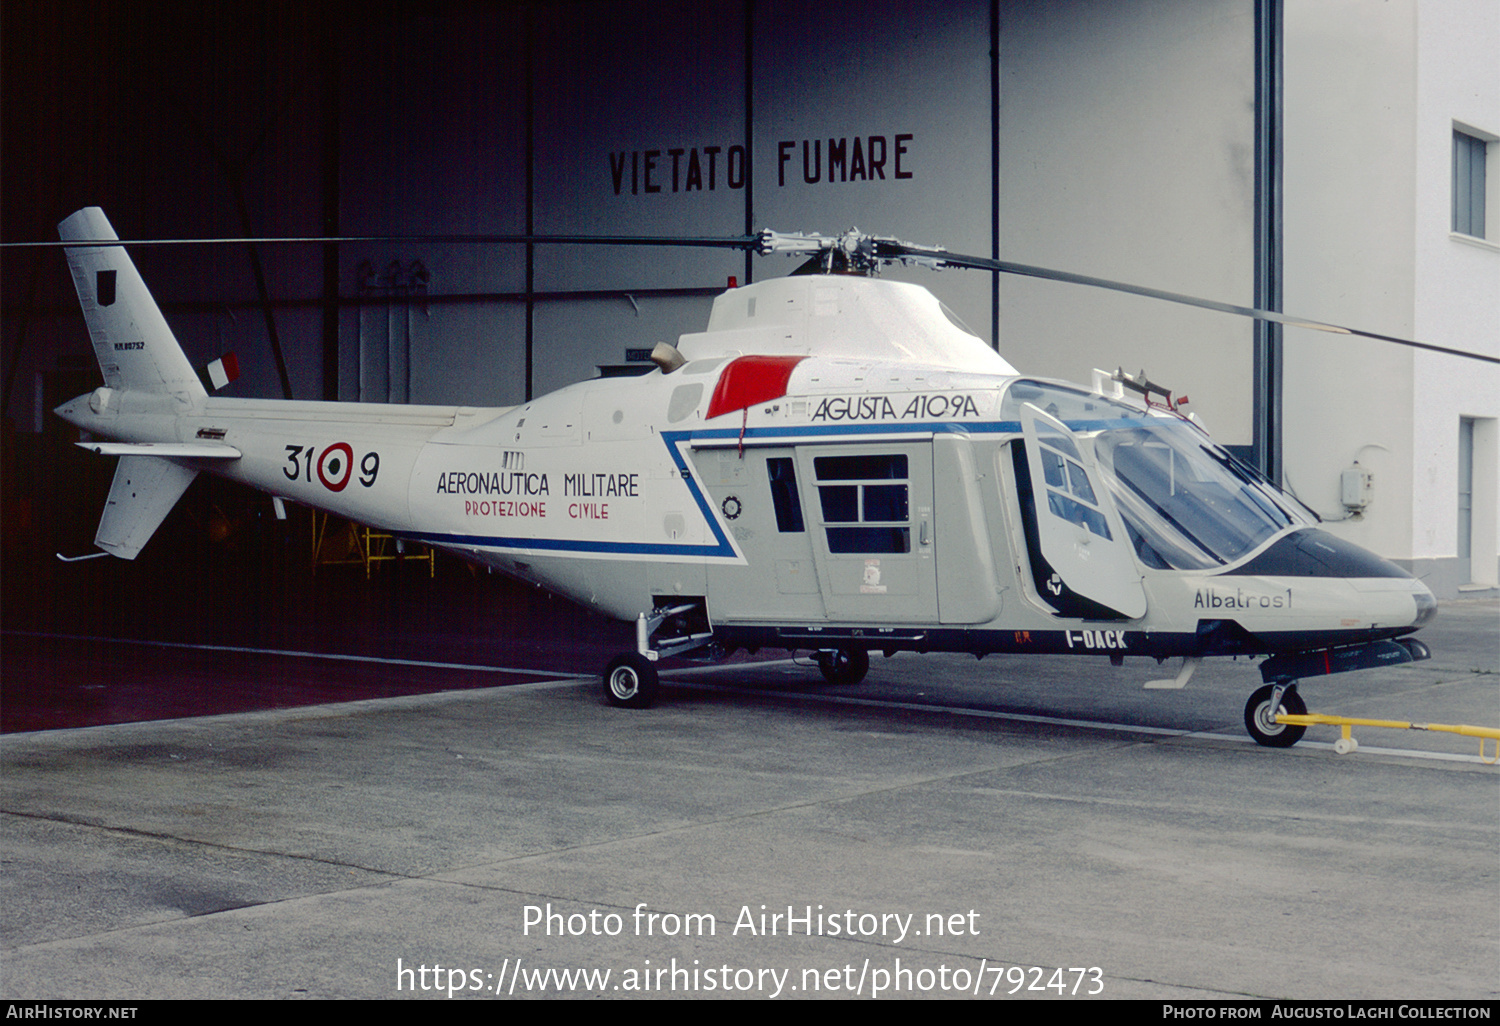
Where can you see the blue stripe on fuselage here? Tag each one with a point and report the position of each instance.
(722, 547)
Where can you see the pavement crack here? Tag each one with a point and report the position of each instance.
(163, 836)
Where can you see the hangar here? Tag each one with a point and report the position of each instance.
(1333, 160)
(1317, 155)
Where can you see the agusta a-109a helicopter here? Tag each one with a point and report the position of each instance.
(835, 465)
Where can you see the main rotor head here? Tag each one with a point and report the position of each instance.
(851, 252)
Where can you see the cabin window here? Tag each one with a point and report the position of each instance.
(784, 498)
(865, 502)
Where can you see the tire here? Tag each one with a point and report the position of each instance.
(1260, 717)
(630, 681)
(844, 667)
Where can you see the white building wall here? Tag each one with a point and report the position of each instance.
(1457, 287)
(1348, 216)
(1372, 91)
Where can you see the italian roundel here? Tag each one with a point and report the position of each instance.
(335, 466)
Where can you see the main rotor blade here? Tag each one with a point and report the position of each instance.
(940, 258)
(886, 249)
(715, 242)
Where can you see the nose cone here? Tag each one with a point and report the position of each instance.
(1383, 585)
(1315, 553)
(1426, 605)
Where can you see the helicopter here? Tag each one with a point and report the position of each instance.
(835, 465)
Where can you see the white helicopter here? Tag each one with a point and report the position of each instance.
(836, 465)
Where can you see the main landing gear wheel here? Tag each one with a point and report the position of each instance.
(844, 666)
(630, 681)
(1260, 718)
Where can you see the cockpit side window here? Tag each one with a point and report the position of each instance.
(1063, 600)
(1069, 494)
(1185, 504)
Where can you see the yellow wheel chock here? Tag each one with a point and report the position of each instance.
(1346, 744)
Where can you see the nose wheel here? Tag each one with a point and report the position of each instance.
(1261, 712)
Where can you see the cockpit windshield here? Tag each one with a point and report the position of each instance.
(1186, 503)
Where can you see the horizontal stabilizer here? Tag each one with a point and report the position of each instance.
(144, 491)
(177, 450)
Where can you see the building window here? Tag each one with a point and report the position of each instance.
(1469, 184)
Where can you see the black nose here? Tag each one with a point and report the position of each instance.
(1315, 553)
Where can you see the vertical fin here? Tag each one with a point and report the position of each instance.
(135, 347)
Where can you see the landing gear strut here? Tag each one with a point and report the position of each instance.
(673, 628)
(1262, 709)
